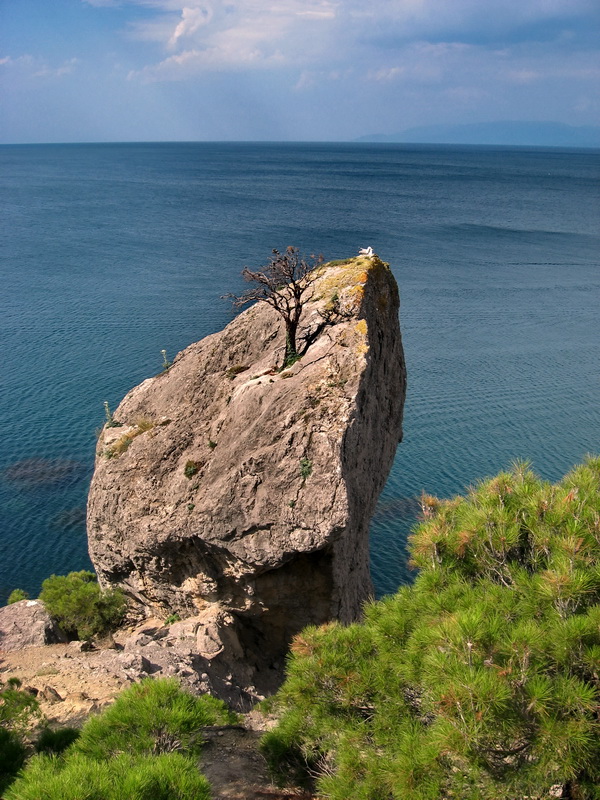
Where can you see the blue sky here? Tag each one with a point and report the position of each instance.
(133, 70)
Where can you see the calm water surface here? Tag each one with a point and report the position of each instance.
(111, 253)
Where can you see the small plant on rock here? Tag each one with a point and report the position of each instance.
(122, 443)
(166, 363)
(111, 422)
(191, 468)
(236, 369)
(305, 468)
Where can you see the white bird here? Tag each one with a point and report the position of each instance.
(366, 251)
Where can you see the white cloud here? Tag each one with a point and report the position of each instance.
(192, 19)
(553, 71)
(28, 66)
(387, 41)
(65, 68)
(32, 67)
(191, 62)
(19, 61)
(309, 78)
(386, 73)
(250, 34)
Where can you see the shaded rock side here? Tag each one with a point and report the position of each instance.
(241, 495)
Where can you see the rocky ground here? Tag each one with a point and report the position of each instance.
(71, 684)
(67, 682)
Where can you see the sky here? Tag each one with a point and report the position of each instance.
(295, 70)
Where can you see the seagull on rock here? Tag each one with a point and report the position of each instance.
(366, 251)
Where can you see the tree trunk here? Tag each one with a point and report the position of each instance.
(291, 328)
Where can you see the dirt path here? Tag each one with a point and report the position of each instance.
(232, 762)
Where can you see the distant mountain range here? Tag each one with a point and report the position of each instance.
(540, 134)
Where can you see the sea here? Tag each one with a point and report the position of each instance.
(112, 253)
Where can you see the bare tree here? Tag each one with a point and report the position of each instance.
(285, 283)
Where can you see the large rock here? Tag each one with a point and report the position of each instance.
(27, 624)
(241, 495)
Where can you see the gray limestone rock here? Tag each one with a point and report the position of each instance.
(27, 624)
(240, 495)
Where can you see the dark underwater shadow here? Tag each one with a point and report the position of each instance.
(42, 472)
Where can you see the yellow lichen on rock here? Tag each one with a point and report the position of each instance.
(336, 276)
(361, 329)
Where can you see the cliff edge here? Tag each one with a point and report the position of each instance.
(239, 496)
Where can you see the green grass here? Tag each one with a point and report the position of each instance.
(481, 681)
(121, 445)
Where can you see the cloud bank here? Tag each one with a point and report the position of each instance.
(302, 68)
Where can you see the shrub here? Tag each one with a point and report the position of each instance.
(80, 607)
(55, 741)
(144, 747)
(480, 681)
(18, 709)
(164, 777)
(16, 596)
(154, 716)
(12, 757)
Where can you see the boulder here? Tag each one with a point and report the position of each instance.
(240, 494)
(27, 624)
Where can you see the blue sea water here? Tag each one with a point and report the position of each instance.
(111, 253)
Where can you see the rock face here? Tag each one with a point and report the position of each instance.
(240, 495)
(27, 624)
